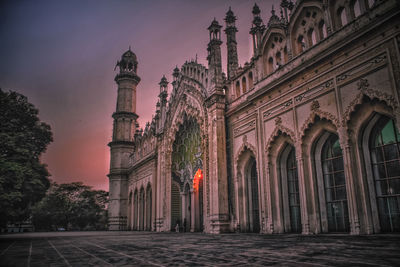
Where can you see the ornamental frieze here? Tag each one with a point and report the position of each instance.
(244, 128)
(312, 91)
(372, 63)
(281, 107)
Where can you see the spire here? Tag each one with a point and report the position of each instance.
(214, 56)
(274, 19)
(287, 5)
(231, 43)
(257, 29)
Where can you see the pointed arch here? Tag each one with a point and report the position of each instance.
(372, 94)
(279, 130)
(317, 114)
(149, 205)
(247, 190)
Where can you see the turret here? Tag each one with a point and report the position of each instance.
(231, 43)
(257, 30)
(163, 100)
(214, 57)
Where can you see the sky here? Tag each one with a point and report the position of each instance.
(62, 54)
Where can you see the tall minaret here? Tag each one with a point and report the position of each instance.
(215, 104)
(257, 30)
(231, 43)
(214, 57)
(122, 144)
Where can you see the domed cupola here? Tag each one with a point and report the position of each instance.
(128, 62)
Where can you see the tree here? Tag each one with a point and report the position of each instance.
(23, 138)
(73, 206)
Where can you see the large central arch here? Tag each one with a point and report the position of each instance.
(187, 177)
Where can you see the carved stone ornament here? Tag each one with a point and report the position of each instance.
(362, 84)
(278, 120)
(315, 105)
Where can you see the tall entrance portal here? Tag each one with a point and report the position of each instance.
(187, 178)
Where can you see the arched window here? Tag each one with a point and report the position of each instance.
(301, 45)
(342, 16)
(356, 8)
(250, 80)
(322, 29)
(270, 65)
(237, 89)
(278, 59)
(385, 159)
(334, 185)
(312, 37)
(244, 85)
(290, 190)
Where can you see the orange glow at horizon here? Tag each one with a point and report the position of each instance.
(196, 180)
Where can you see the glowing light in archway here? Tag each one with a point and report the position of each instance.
(196, 180)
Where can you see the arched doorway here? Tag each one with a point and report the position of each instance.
(382, 154)
(331, 181)
(252, 199)
(290, 190)
(141, 209)
(148, 207)
(186, 187)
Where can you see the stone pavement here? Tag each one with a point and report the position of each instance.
(196, 249)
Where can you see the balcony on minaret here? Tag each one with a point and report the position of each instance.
(128, 62)
(215, 30)
(230, 19)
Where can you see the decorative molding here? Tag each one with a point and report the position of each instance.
(378, 60)
(312, 91)
(278, 131)
(244, 128)
(317, 112)
(278, 108)
(363, 86)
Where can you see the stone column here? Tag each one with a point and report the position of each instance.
(270, 222)
(302, 188)
(219, 210)
(350, 181)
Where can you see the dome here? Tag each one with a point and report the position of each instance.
(129, 56)
(128, 62)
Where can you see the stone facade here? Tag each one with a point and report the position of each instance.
(303, 138)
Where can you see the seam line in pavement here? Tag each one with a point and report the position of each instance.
(4, 251)
(59, 253)
(90, 254)
(126, 255)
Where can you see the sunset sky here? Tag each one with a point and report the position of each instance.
(61, 54)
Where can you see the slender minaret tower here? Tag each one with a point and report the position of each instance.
(257, 30)
(122, 144)
(215, 104)
(214, 57)
(231, 43)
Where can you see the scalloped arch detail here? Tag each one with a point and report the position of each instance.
(321, 114)
(279, 129)
(389, 100)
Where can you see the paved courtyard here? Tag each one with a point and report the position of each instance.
(196, 249)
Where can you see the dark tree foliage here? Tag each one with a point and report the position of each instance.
(72, 206)
(23, 138)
